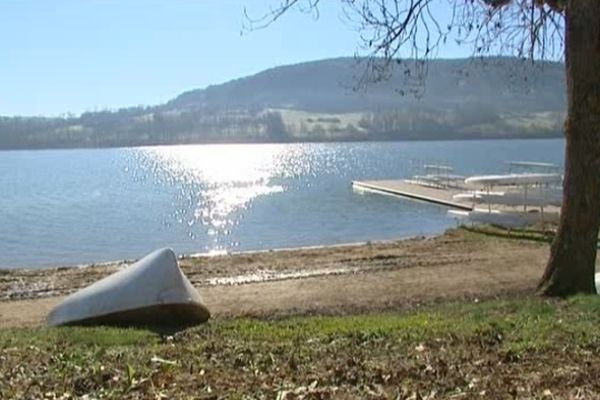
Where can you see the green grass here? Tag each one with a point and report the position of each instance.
(525, 324)
(496, 347)
(77, 336)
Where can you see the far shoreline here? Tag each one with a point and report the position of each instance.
(259, 142)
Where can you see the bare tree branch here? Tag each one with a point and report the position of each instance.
(409, 32)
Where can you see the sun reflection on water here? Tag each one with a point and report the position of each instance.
(216, 183)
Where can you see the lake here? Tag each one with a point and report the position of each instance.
(67, 207)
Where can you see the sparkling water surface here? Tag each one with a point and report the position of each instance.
(66, 207)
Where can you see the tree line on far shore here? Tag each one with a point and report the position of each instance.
(317, 101)
(144, 126)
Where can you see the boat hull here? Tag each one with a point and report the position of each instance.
(551, 198)
(494, 217)
(162, 314)
(514, 179)
(153, 291)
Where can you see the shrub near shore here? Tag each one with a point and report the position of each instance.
(524, 347)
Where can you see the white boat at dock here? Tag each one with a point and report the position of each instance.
(513, 179)
(512, 219)
(537, 190)
(494, 217)
(540, 198)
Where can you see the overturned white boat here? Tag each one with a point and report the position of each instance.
(153, 291)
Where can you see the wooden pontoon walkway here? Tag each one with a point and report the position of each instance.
(442, 197)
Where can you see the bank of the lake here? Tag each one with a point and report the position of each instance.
(342, 279)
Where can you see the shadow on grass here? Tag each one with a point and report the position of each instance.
(162, 330)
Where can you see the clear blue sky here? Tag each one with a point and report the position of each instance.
(59, 56)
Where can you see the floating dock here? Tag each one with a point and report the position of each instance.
(439, 196)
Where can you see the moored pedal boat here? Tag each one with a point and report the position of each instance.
(494, 217)
(514, 179)
(513, 198)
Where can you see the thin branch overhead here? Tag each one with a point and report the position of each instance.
(395, 31)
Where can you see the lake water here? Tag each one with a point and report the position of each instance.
(65, 207)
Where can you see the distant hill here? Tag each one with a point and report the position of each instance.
(318, 101)
(329, 86)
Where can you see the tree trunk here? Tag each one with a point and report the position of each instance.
(572, 261)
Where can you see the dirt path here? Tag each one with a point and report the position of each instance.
(337, 279)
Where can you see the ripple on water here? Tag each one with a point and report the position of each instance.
(65, 207)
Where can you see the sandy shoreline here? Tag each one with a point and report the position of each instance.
(377, 275)
(210, 254)
(28, 283)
